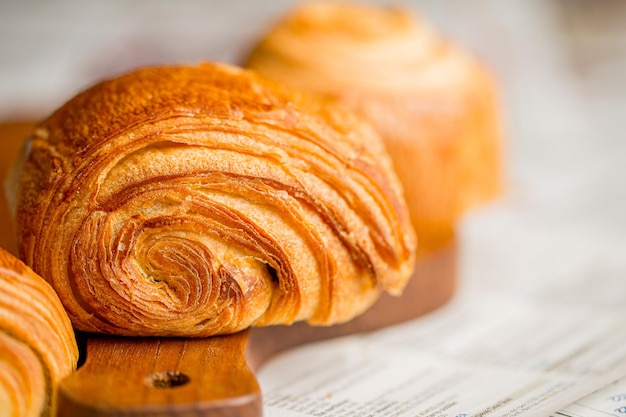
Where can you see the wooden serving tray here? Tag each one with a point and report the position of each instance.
(214, 376)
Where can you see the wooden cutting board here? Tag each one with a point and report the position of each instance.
(169, 377)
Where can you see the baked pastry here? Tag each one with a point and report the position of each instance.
(37, 344)
(433, 103)
(201, 200)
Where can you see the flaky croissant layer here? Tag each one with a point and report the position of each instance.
(202, 200)
(37, 344)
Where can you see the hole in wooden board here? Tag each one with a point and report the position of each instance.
(166, 379)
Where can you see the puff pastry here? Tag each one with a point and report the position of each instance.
(433, 103)
(200, 200)
(37, 344)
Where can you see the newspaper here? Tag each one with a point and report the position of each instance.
(609, 401)
(538, 322)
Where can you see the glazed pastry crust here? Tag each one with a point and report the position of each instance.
(37, 344)
(202, 200)
(433, 103)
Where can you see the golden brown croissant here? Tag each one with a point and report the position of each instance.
(202, 200)
(432, 102)
(37, 344)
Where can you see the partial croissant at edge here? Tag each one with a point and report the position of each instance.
(201, 200)
(37, 344)
(433, 102)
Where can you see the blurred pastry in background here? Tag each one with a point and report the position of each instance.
(433, 102)
(37, 344)
(12, 135)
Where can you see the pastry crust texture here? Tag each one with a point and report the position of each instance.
(37, 344)
(433, 103)
(201, 200)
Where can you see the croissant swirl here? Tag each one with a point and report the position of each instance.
(432, 102)
(202, 200)
(37, 345)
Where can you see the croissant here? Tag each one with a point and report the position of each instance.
(201, 200)
(432, 102)
(37, 344)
